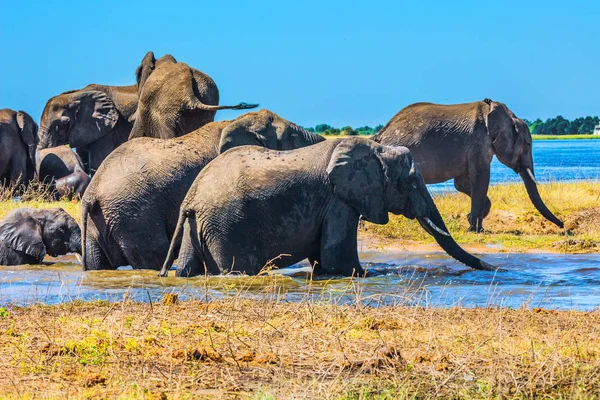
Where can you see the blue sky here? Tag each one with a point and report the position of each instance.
(336, 62)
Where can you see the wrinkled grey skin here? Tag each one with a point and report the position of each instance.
(131, 206)
(458, 142)
(174, 99)
(18, 140)
(62, 170)
(253, 206)
(72, 185)
(28, 234)
(94, 121)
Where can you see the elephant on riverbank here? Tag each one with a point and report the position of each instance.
(459, 141)
(28, 234)
(18, 141)
(130, 209)
(174, 99)
(94, 121)
(61, 169)
(253, 206)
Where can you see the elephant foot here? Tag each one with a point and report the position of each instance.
(477, 229)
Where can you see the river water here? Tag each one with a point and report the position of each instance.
(557, 281)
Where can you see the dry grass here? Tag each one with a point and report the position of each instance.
(263, 349)
(514, 225)
(35, 196)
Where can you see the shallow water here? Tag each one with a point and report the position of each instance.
(555, 281)
(554, 160)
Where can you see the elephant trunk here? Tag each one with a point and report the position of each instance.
(434, 225)
(531, 186)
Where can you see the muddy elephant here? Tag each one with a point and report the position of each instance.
(61, 169)
(459, 141)
(94, 121)
(130, 209)
(174, 98)
(18, 141)
(28, 234)
(253, 206)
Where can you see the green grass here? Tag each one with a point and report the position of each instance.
(564, 137)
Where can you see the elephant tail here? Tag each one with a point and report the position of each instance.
(85, 210)
(175, 242)
(196, 104)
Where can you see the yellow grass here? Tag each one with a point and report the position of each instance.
(513, 225)
(265, 349)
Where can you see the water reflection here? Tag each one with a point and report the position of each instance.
(536, 280)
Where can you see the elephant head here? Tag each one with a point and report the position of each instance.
(29, 135)
(149, 64)
(38, 232)
(512, 144)
(77, 118)
(374, 180)
(266, 129)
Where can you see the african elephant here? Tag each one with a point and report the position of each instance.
(62, 170)
(18, 141)
(130, 209)
(28, 234)
(174, 99)
(94, 121)
(252, 205)
(458, 142)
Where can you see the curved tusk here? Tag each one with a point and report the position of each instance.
(531, 176)
(435, 227)
(78, 257)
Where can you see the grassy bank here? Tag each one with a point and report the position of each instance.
(263, 349)
(564, 137)
(512, 226)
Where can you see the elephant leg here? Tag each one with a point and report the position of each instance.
(476, 185)
(191, 262)
(95, 258)
(339, 254)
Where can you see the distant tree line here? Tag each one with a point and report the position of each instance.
(325, 129)
(562, 126)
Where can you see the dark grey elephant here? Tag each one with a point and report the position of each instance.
(28, 234)
(18, 141)
(174, 99)
(130, 209)
(61, 169)
(252, 205)
(458, 142)
(94, 121)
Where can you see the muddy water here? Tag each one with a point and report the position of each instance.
(535, 280)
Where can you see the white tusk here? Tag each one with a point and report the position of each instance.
(436, 228)
(531, 176)
(78, 257)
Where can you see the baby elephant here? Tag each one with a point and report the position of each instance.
(28, 234)
(252, 206)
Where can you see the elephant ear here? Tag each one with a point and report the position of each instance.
(22, 232)
(95, 117)
(29, 134)
(502, 131)
(250, 130)
(356, 172)
(144, 70)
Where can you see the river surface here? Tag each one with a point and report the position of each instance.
(554, 160)
(555, 281)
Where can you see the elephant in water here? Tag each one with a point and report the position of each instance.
(174, 98)
(459, 141)
(94, 121)
(62, 170)
(254, 206)
(28, 234)
(130, 209)
(18, 141)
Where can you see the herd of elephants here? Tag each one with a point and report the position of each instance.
(159, 180)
